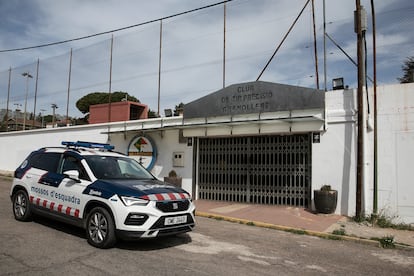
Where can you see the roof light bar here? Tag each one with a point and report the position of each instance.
(88, 145)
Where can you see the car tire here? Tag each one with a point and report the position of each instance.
(21, 206)
(100, 228)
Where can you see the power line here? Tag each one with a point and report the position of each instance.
(115, 30)
(283, 40)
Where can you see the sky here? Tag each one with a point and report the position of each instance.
(192, 48)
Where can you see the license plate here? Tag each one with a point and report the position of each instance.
(175, 220)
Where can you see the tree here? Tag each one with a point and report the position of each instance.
(408, 70)
(47, 119)
(178, 109)
(100, 98)
(152, 114)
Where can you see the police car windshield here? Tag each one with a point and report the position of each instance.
(112, 167)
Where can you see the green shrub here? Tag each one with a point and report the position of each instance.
(339, 232)
(386, 242)
(384, 221)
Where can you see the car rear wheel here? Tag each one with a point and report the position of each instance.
(21, 206)
(100, 228)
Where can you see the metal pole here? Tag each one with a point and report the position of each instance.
(324, 45)
(15, 115)
(35, 99)
(361, 78)
(25, 104)
(315, 45)
(27, 76)
(54, 106)
(375, 203)
(8, 100)
(110, 82)
(159, 70)
(67, 101)
(224, 46)
(43, 116)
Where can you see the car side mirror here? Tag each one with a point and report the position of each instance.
(72, 174)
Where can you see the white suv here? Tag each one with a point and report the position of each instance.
(107, 193)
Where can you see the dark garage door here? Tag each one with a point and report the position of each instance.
(259, 169)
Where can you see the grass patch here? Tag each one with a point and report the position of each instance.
(339, 232)
(384, 221)
(250, 223)
(296, 231)
(333, 237)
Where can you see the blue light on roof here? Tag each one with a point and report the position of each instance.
(88, 145)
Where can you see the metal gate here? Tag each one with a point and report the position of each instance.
(260, 169)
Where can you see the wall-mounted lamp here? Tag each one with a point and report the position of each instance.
(168, 112)
(338, 83)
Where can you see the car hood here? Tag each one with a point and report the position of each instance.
(151, 189)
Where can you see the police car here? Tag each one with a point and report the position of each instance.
(107, 193)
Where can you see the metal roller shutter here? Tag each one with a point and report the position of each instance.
(258, 169)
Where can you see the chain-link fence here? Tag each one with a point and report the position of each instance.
(177, 60)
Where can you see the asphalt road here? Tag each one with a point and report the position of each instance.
(44, 247)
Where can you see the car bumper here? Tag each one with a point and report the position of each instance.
(153, 233)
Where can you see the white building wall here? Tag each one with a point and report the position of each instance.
(396, 151)
(334, 158)
(167, 143)
(15, 146)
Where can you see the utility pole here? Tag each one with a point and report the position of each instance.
(68, 95)
(159, 72)
(360, 27)
(224, 45)
(324, 45)
(374, 58)
(54, 107)
(27, 76)
(8, 100)
(43, 116)
(315, 46)
(35, 96)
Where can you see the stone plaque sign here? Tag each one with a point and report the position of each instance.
(255, 97)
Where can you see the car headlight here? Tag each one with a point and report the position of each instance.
(130, 201)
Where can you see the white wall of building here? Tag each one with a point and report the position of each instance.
(167, 143)
(15, 146)
(396, 150)
(333, 159)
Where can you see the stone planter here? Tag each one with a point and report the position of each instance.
(325, 201)
(176, 181)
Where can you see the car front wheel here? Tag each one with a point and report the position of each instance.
(21, 206)
(100, 228)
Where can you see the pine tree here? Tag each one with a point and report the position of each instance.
(408, 70)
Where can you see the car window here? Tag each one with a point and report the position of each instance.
(71, 163)
(110, 167)
(132, 169)
(45, 161)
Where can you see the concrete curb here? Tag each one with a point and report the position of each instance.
(298, 231)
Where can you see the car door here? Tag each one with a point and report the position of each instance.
(75, 180)
(41, 177)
